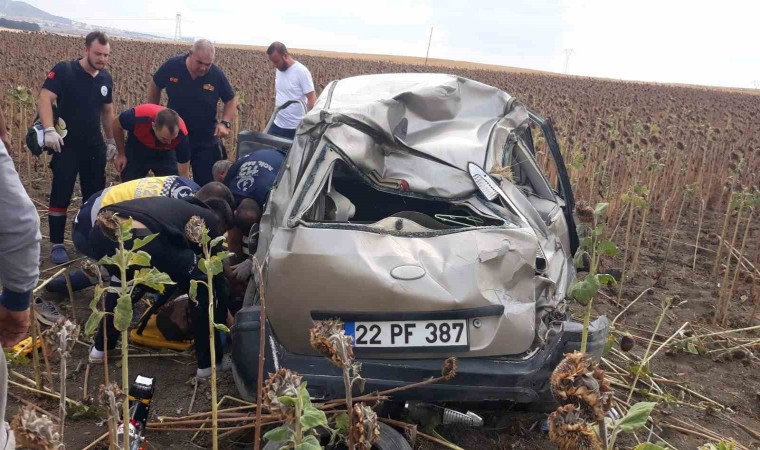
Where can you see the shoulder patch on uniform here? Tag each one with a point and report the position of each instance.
(208, 87)
(51, 75)
(173, 80)
(104, 90)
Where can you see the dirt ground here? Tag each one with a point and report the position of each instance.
(733, 382)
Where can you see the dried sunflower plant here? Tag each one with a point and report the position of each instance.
(63, 334)
(211, 265)
(35, 431)
(285, 395)
(133, 262)
(329, 338)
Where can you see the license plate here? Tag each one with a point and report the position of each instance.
(409, 333)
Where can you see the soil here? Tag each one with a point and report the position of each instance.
(733, 382)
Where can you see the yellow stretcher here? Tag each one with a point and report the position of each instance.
(152, 337)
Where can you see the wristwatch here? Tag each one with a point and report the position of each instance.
(226, 123)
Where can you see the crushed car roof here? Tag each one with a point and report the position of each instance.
(417, 123)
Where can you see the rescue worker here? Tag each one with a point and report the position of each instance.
(250, 179)
(82, 90)
(172, 186)
(220, 168)
(157, 142)
(194, 86)
(173, 253)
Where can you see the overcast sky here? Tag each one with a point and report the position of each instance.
(697, 42)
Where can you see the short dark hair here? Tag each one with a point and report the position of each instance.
(167, 118)
(247, 214)
(222, 211)
(217, 190)
(99, 36)
(278, 47)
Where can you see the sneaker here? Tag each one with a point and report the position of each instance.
(79, 281)
(96, 356)
(58, 254)
(224, 366)
(46, 311)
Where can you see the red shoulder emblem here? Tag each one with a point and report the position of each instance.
(208, 87)
(174, 80)
(51, 75)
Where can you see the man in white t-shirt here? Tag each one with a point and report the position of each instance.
(292, 82)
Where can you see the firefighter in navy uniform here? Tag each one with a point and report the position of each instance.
(157, 142)
(82, 91)
(194, 85)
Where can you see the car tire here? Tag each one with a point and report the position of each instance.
(390, 439)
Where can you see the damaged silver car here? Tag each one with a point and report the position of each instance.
(412, 207)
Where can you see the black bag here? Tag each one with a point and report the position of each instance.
(35, 135)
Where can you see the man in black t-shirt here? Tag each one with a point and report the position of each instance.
(194, 86)
(82, 90)
(171, 252)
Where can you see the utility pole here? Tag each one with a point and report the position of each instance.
(568, 54)
(756, 84)
(430, 39)
(178, 27)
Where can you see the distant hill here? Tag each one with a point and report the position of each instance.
(18, 25)
(16, 8)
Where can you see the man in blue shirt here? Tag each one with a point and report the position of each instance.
(194, 86)
(250, 179)
(82, 91)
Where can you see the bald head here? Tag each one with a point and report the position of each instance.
(201, 58)
(216, 190)
(204, 46)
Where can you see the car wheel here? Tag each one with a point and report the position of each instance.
(390, 439)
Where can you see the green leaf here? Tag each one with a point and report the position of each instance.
(214, 266)
(637, 417)
(93, 322)
(583, 291)
(605, 278)
(601, 209)
(107, 260)
(587, 243)
(221, 327)
(193, 291)
(287, 400)
(608, 248)
(142, 242)
(598, 230)
(123, 313)
(641, 371)
(304, 396)
(153, 279)
(648, 446)
(96, 298)
(309, 443)
(224, 254)
(611, 341)
(215, 241)
(341, 423)
(578, 259)
(312, 418)
(125, 230)
(279, 434)
(140, 259)
(205, 239)
(202, 265)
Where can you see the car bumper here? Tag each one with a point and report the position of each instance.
(520, 379)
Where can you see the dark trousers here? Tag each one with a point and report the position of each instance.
(139, 163)
(180, 265)
(203, 155)
(87, 161)
(287, 133)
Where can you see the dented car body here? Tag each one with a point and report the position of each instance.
(376, 219)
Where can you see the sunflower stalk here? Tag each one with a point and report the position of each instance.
(211, 265)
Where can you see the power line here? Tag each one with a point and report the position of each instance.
(430, 39)
(568, 53)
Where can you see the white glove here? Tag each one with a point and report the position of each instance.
(111, 151)
(53, 140)
(241, 272)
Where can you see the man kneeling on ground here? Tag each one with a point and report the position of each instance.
(172, 253)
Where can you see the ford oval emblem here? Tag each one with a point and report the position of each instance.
(408, 272)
